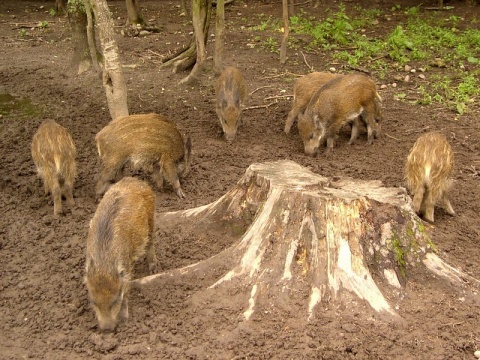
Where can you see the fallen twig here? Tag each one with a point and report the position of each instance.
(306, 62)
(261, 87)
(392, 137)
(277, 97)
(417, 130)
(451, 324)
(261, 106)
(358, 69)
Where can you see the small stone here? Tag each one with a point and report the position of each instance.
(408, 68)
(422, 69)
(332, 69)
(477, 354)
(144, 33)
(383, 86)
(413, 71)
(421, 76)
(394, 85)
(407, 78)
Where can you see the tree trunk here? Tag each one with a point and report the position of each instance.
(201, 10)
(283, 46)
(77, 19)
(92, 48)
(183, 6)
(60, 8)
(219, 36)
(134, 14)
(308, 239)
(193, 54)
(113, 81)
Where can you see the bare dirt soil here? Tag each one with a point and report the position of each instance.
(44, 309)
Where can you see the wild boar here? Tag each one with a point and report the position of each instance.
(341, 101)
(53, 153)
(121, 231)
(231, 90)
(147, 141)
(303, 90)
(428, 172)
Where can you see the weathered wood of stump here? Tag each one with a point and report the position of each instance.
(313, 235)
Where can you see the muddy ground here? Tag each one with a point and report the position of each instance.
(44, 309)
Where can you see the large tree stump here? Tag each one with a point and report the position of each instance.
(325, 239)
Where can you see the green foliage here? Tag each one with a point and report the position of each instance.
(76, 6)
(425, 38)
(43, 24)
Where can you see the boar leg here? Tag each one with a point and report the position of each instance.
(355, 128)
(418, 198)
(151, 256)
(170, 173)
(368, 118)
(157, 174)
(124, 308)
(57, 199)
(447, 206)
(290, 119)
(68, 193)
(429, 206)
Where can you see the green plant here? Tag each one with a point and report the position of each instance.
(271, 44)
(43, 24)
(23, 33)
(52, 12)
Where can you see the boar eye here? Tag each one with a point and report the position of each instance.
(311, 136)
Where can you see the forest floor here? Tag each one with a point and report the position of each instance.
(44, 308)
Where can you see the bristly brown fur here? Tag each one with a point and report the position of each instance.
(428, 172)
(54, 152)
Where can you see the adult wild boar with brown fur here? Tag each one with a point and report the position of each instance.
(343, 100)
(428, 172)
(147, 141)
(53, 153)
(120, 232)
(231, 90)
(303, 90)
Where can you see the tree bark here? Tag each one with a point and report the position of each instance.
(92, 48)
(219, 36)
(309, 239)
(134, 14)
(77, 19)
(201, 10)
(193, 54)
(60, 8)
(113, 80)
(283, 46)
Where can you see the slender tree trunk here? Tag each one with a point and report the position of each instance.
(183, 4)
(305, 238)
(134, 13)
(188, 56)
(60, 8)
(201, 10)
(91, 36)
(113, 80)
(283, 46)
(77, 19)
(219, 36)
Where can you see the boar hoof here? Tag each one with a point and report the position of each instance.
(181, 194)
